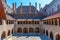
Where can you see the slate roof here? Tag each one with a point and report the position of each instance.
(26, 9)
(55, 15)
(27, 16)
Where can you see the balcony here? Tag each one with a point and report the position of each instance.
(27, 25)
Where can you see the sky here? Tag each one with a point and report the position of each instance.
(26, 2)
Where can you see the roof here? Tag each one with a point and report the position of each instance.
(56, 15)
(27, 16)
(9, 17)
(25, 9)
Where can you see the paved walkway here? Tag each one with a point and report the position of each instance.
(29, 37)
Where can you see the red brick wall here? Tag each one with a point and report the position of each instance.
(2, 12)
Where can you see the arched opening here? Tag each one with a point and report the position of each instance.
(12, 31)
(25, 30)
(8, 32)
(46, 33)
(19, 30)
(36, 30)
(43, 31)
(51, 36)
(3, 36)
(57, 37)
(31, 30)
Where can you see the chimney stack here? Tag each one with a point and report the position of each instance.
(21, 8)
(36, 7)
(39, 7)
(14, 8)
(30, 8)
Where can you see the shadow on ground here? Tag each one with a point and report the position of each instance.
(43, 37)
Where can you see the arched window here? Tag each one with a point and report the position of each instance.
(19, 30)
(36, 30)
(31, 30)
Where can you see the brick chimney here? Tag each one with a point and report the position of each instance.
(21, 8)
(39, 7)
(36, 7)
(30, 8)
(14, 8)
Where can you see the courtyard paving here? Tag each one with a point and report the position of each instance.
(29, 37)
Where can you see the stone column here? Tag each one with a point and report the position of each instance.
(54, 37)
(3, 22)
(34, 29)
(57, 22)
(28, 29)
(45, 32)
(49, 34)
(50, 22)
(22, 30)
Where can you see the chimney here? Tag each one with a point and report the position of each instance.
(36, 7)
(39, 7)
(21, 8)
(13, 6)
(30, 8)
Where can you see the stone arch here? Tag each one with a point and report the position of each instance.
(25, 30)
(3, 36)
(36, 30)
(57, 37)
(31, 30)
(8, 32)
(46, 32)
(51, 36)
(19, 30)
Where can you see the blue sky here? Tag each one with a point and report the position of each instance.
(26, 2)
